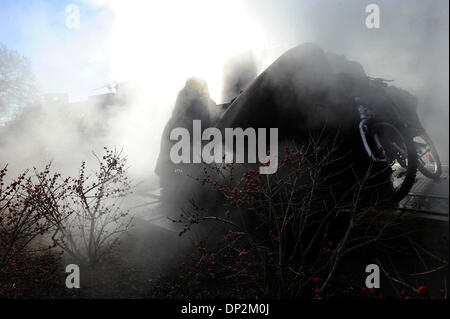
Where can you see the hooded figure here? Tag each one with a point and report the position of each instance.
(193, 103)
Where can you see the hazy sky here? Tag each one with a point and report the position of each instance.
(77, 61)
(63, 60)
(119, 40)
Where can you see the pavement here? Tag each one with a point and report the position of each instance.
(428, 199)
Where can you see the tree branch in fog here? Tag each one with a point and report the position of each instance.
(17, 85)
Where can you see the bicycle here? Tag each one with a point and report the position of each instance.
(404, 147)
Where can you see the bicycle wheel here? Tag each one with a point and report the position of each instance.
(428, 161)
(400, 152)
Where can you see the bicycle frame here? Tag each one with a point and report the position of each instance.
(366, 116)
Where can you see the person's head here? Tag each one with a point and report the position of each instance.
(198, 86)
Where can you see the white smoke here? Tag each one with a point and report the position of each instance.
(159, 44)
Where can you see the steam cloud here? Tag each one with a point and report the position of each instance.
(411, 47)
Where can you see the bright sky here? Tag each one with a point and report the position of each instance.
(63, 60)
(121, 40)
(166, 41)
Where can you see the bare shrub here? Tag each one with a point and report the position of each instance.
(286, 234)
(25, 263)
(88, 217)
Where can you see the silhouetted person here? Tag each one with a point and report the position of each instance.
(192, 103)
(239, 72)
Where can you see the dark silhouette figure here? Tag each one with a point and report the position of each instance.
(193, 103)
(239, 72)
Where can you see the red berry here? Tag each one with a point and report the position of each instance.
(422, 291)
(407, 297)
(443, 292)
(318, 292)
(317, 280)
(404, 293)
(242, 253)
(373, 292)
(381, 297)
